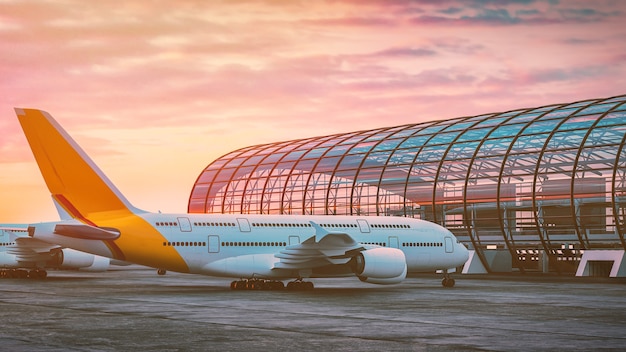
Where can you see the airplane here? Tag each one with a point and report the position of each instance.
(258, 251)
(25, 257)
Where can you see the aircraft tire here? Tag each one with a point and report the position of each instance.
(448, 282)
(277, 285)
(300, 286)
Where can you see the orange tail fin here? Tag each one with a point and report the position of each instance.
(74, 180)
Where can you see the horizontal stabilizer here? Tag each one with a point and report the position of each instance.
(86, 232)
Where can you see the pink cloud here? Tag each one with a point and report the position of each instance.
(205, 78)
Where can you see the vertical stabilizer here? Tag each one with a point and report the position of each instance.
(75, 182)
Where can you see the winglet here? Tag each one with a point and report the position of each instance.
(320, 233)
(74, 180)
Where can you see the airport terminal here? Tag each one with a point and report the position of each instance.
(530, 190)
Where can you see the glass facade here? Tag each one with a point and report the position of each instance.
(549, 179)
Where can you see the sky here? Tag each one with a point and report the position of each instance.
(154, 91)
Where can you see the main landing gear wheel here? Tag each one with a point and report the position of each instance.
(299, 285)
(448, 282)
(37, 274)
(161, 271)
(23, 274)
(256, 284)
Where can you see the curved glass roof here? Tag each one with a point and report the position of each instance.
(551, 178)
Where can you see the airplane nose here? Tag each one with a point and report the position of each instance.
(463, 253)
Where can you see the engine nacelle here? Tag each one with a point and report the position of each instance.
(100, 264)
(71, 259)
(383, 266)
(378, 281)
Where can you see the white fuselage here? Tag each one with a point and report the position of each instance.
(226, 245)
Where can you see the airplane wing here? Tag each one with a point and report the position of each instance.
(28, 249)
(324, 248)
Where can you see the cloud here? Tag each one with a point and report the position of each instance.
(352, 22)
(11, 143)
(203, 78)
(405, 51)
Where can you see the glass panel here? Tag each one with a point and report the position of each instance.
(327, 164)
(613, 118)
(294, 155)
(432, 153)
(541, 126)
(596, 109)
(490, 122)
(351, 161)
(362, 147)
(338, 150)
(388, 145)
(443, 138)
(369, 176)
(579, 122)
(558, 113)
(474, 134)
(207, 177)
(460, 126)
(462, 150)
(566, 140)
(529, 144)
(273, 158)
(415, 142)
(494, 147)
(306, 165)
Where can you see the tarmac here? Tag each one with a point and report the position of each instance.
(137, 310)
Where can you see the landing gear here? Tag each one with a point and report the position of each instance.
(161, 271)
(37, 274)
(270, 285)
(23, 274)
(299, 285)
(256, 284)
(447, 280)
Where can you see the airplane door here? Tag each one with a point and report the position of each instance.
(393, 242)
(185, 225)
(244, 225)
(449, 245)
(363, 225)
(214, 244)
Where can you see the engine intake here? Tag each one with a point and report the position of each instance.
(380, 266)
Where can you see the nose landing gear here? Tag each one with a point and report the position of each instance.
(447, 280)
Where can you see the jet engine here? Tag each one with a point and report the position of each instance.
(383, 266)
(71, 259)
(100, 264)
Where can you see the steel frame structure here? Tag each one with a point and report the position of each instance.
(551, 178)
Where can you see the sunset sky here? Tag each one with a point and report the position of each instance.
(155, 90)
